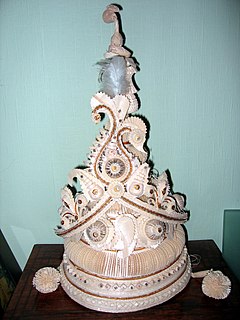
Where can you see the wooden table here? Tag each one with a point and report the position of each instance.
(191, 303)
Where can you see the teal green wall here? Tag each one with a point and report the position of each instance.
(189, 57)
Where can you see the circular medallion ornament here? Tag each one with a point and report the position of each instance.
(136, 189)
(99, 234)
(96, 232)
(137, 137)
(115, 168)
(96, 192)
(155, 230)
(80, 200)
(116, 189)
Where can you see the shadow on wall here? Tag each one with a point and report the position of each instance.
(10, 273)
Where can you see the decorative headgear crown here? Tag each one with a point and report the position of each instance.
(124, 243)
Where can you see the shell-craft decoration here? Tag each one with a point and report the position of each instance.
(124, 246)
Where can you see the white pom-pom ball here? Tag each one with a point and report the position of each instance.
(46, 280)
(216, 285)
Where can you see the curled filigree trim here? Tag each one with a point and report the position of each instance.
(46, 280)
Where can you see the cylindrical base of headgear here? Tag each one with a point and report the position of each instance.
(118, 295)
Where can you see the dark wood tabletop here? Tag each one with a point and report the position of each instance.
(191, 303)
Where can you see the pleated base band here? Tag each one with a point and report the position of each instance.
(118, 295)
